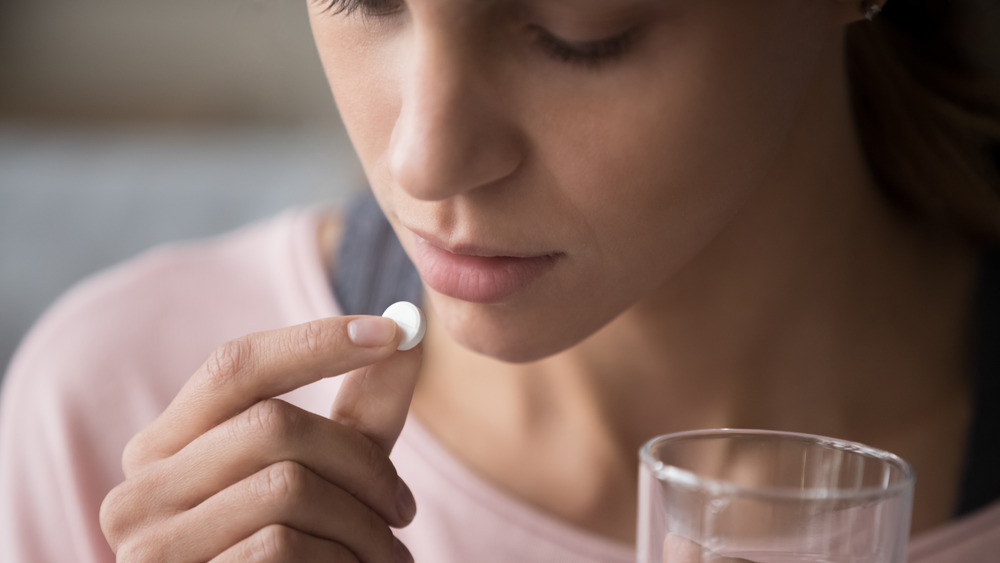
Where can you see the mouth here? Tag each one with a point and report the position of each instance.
(475, 273)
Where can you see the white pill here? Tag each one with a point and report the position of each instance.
(411, 320)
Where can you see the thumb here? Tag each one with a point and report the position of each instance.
(375, 399)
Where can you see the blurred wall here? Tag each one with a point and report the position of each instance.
(191, 60)
(127, 123)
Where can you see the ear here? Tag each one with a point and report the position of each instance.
(850, 11)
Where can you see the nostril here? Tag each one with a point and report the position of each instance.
(413, 167)
(450, 137)
(434, 165)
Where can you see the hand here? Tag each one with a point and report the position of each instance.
(228, 473)
(678, 549)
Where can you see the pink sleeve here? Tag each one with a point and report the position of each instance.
(71, 400)
(108, 358)
(56, 461)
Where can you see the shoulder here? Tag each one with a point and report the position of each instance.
(121, 343)
(178, 299)
(110, 354)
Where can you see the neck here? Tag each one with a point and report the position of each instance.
(819, 309)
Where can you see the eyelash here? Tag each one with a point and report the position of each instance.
(590, 54)
(372, 8)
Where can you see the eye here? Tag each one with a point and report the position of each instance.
(372, 8)
(586, 53)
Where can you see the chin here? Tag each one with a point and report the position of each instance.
(510, 333)
(509, 350)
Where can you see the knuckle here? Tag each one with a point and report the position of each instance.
(272, 543)
(138, 550)
(280, 483)
(109, 516)
(132, 456)
(270, 419)
(377, 466)
(228, 362)
(140, 451)
(376, 461)
(126, 511)
(136, 454)
(310, 337)
(277, 542)
(128, 552)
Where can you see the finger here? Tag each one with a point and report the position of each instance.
(376, 398)
(678, 549)
(281, 544)
(289, 494)
(268, 432)
(260, 366)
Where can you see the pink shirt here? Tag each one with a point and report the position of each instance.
(109, 356)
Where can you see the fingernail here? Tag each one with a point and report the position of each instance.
(404, 502)
(371, 332)
(402, 554)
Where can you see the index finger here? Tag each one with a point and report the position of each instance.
(260, 366)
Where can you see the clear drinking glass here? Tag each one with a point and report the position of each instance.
(771, 497)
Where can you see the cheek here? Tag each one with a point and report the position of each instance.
(662, 159)
(368, 101)
(635, 174)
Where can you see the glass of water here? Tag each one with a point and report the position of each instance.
(726, 496)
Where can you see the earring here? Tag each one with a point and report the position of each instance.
(871, 9)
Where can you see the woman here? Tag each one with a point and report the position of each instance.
(628, 218)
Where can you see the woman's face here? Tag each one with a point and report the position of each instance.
(549, 163)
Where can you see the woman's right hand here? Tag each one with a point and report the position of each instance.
(678, 549)
(228, 473)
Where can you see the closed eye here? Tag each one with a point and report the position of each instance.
(363, 7)
(588, 53)
(585, 53)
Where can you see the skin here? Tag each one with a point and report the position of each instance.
(569, 160)
(241, 476)
(724, 259)
(785, 293)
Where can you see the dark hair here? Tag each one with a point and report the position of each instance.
(925, 85)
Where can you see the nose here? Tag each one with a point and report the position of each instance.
(453, 133)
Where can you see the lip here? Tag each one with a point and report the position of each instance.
(477, 274)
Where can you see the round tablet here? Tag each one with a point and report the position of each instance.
(410, 319)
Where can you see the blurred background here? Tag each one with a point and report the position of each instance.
(127, 123)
